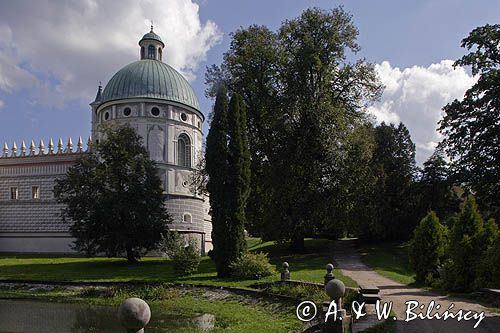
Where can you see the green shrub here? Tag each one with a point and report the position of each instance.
(185, 255)
(186, 259)
(99, 292)
(300, 291)
(468, 245)
(170, 243)
(427, 248)
(252, 266)
(154, 293)
(489, 271)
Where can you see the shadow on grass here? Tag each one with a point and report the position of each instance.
(308, 267)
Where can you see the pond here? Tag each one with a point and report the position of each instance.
(46, 317)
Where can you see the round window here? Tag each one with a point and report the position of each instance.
(155, 111)
(184, 117)
(106, 115)
(127, 112)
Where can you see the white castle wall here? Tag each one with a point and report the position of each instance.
(160, 134)
(27, 224)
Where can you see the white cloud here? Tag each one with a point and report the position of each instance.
(2, 104)
(64, 48)
(416, 96)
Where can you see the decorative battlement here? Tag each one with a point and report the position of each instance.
(42, 151)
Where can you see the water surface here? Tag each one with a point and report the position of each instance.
(30, 316)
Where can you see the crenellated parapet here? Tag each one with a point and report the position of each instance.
(42, 150)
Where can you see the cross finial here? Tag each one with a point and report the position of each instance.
(151, 25)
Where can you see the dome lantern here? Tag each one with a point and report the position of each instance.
(151, 46)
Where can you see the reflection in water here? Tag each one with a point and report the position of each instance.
(45, 317)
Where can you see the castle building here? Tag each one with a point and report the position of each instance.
(155, 100)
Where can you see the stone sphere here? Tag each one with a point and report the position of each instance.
(329, 267)
(335, 289)
(134, 314)
(285, 265)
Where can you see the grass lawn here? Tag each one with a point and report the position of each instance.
(309, 266)
(390, 260)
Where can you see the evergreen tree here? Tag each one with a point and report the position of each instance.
(436, 188)
(113, 197)
(427, 248)
(216, 156)
(238, 177)
(228, 167)
(467, 246)
(491, 264)
(394, 169)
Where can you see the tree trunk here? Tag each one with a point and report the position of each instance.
(130, 256)
(297, 243)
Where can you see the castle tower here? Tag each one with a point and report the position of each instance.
(159, 103)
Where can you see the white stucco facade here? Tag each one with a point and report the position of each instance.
(160, 105)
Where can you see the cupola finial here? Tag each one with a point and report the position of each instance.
(151, 25)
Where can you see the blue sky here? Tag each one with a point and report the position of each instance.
(53, 54)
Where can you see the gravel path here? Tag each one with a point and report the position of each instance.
(349, 262)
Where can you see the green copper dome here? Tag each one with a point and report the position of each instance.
(151, 36)
(150, 79)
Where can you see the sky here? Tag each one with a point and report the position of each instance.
(53, 54)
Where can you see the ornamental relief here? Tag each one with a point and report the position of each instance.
(156, 143)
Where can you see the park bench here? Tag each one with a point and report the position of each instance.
(369, 294)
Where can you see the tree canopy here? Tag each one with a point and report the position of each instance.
(113, 197)
(304, 101)
(471, 127)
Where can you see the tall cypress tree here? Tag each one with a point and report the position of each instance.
(238, 177)
(216, 157)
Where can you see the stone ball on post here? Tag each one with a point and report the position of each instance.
(329, 275)
(134, 314)
(335, 289)
(285, 273)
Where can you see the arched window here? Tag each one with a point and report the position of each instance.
(187, 218)
(159, 53)
(142, 52)
(151, 52)
(184, 151)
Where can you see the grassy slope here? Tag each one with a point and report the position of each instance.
(309, 267)
(390, 260)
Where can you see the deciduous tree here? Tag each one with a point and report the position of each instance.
(304, 100)
(471, 127)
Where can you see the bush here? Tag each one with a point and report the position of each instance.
(186, 259)
(489, 272)
(154, 293)
(427, 248)
(468, 245)
(252, 266)
(185, 255)
(170, 243)
(300, 291)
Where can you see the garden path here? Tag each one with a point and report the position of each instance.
(348, 260)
